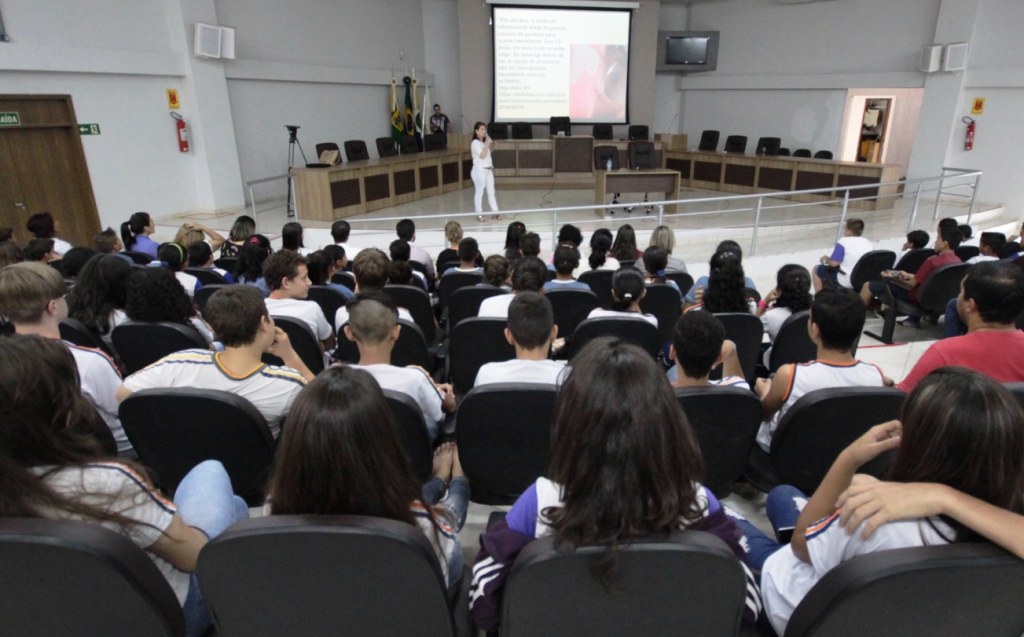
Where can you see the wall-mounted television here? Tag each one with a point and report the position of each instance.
(687, 51)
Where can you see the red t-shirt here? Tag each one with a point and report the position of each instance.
(999, 355)
(928, 267)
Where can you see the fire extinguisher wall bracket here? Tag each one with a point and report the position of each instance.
(971, 128)
(182, 130)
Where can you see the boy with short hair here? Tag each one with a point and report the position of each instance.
(837, 319)
(401, 251)
(529, 244)
(373, 325)
(287, 277)
(967, 237)
(566, 260)
(698, 347)
(904, 285)
(916, 239)
(371, 269)
(340, 231)
(469, 252)
(836, 269)
(532, 330)
(41, 251)
(406, 231)
(989, 246)
(200, 255)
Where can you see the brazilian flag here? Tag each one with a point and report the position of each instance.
(409, 121)
(397, 121)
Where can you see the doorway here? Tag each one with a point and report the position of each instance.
(880, 125)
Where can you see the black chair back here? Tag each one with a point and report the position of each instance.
(709, 140)
(641, 155)
(560, 125)
(435, 141)
(173, 430)
(344, 278)
(600, 281)
(203, 294)
(384, 578)
(736, 144)
(447, 285)
(699, 580)
(632, 330)
(79, 578)
(141, 344)
(410, 348)
(784, 152)
(139, 258)
(793, 344)
(870, 267)
(942, 285)
(465, 302)
(664, 303)
(412, 430)
(355, 150)
(1017, 389)
(571, 307)
(941, 591)
(328, 299)
(967, 252)
(417, 302)
(228, 264)
(78, 333)
(726, 421)
(207, 277)
(386, 147)
(913, 260)
(802, 152)
(474, 343)
(497, 131)
(303, 341)
(408, 145)
(747, 332)
(522, 130)
(638, 133)
(320, 148)
(603, 132)
(604, 154)
(504, 448)
(682, 279)
(823, 154)
(768, 146)
(447, 265)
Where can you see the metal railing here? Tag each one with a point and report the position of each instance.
(252, 198)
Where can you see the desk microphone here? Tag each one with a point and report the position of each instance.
(672, 124)
(468, 125)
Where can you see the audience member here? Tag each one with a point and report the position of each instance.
(291, 238)
(340, 231)
(600, 246)
(320, 267)
(42, 225)
(532, 330)
(107, 242)
(173, 257)
(624, 248)
(989, 247)
(916, 239)
(74, 260)
(468, 256)
(453, 234)
(529, 276)
(653, 265)
(100, 294)
(497, 272)
(904, 286)
(698, 347)
(836, 269)
(516, 229)
(403, 274)
(406, 230)
(155, 296)
(529, 245)
(241, 322)
(287, 277)
(241, 231)
(967, 237)
(401, 252)
(252, 256)
(190, 232)
(135, 234)
(10, 253)
(371, 270)
(725, 291)
(200, 256)
(6, 234)
(663, 237)
(701, 284)
(566, 260)
(338, 256)
(340, 431)
(41, 251)
(790, 296)
(836, 322)
(628, 289)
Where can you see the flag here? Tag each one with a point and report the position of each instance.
(418, 118)
(426, 103)
(409, 123)
(397, 128)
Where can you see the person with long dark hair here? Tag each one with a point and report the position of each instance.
(321, 267)
(174, 257)
(135, 234)
(249, 269)
(624, 248)
(100, 294)
(726, 290)
(792, 294)
(155, 296)
(628, 288)
(291, 238)
(42, 225)
(600, 246)
(515, 230)
(696, 291)
(241, 231)
(625, 465)
(483, 171)
(654, 264)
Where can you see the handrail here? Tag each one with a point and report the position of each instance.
(252, 199)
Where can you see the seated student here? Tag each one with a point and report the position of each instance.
(135, 234)
(173, 257)
(916, 239)
(200, 255)
(991, 298)
(529, 276)
(904, 285)
(5, 234)
(190, 232)
(790, 296)
(291, 238)
(567, 235)
(725, 291)
(10, 253)
(341, 430)
(340, 231)
(532, 330)
(402, 274)
(699, 346)
(836, 269)
(835, 325)
(33, 298)
(529, 245)
(624, 248)
(48, 473)
(497, 273)
(624, 465)
(566, 260)
(251, 257)
(600, 246)
(726, 247)
(338, 256)
(967, 237)
(371, 269)
(654, 265)
(515, 231)
(990, 245)
(469, 254)
(40, 251)
(453, 234)
(663, 237)
(287, 277)
(958, 427)
(42, 225)
(241, 231)
(627, 289)
(155, 296)
(373, 325)
(74, 260)
(100, 294)
(321, 267)
(245, 328)
(399, 253)
(406, 231)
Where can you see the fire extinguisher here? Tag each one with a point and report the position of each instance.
(182, 132)
(971, 127)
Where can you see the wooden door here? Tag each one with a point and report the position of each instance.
(43, 168)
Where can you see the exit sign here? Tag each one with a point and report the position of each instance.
(88, 129)
(10, 119)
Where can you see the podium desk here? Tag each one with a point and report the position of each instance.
(635, 181)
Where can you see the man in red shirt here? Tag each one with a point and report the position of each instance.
(904, 285)
(991, 298)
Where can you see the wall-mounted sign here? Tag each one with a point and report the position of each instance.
(88, 129)
(979, 106)
(172, 99)
(10, 119)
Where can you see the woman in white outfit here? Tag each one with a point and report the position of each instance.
(483, 170)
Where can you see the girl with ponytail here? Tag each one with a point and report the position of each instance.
(628, 288)
(600, 245)
(135, 234)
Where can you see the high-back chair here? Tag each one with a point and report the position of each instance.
(709, 140)
(571, 307)
(603, 132)
(793, 344)
(641, 155)
(497, 131)
(203, 294)
(665, 303)
(408, 145)
(303, 341)
(522, 130)
(638, 132)
(355, 150)
(560, 125)
(435, 141)
(346, 279)
(941, 286)
(768, 146)
(78, 333)
(140, 344)
(632, 330)
(474, 343)
(870, 267)
(412, 430)
(328, 299)
(802, 152)
(913, 260)
(682, 279)
(325, 146)
(823, 154)
(600, 282)
(604, 154)
(747, 332)
(736, 144)
(967, 252)
(386, 147)
(465, 302)
(449, 283)
(414, 299)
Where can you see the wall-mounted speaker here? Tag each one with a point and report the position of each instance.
(955, 58)
(214, 42)
(931, 58)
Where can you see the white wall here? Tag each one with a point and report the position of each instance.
(441, 54)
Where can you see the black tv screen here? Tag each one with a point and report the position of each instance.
(686, 50)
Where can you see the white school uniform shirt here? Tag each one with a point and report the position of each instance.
(350, 250)
(188, 282)
(973, 241)
(496, 306)
(785, 580)
(341, 318)
(60, 246)
(772, 321)
(599, 313)
(117, 317)
(477, 147)
(853, 249)
(415, 383)
(306, 311)
(544, 372)
(100, 381)
(980, 258)
(808, 377)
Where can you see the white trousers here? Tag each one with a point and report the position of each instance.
(483, 179)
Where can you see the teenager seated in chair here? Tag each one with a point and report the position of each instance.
(33, 298)
(321, 266)
(107, 242)
(566, 261)
(341, 431)
(791, 295)
(624, 465)
(174, 257)
(654, 265)
(905, 286)
(958, 428)
(699, 346)
(701, 284)
(567, 235)
(245, 328)
(990, 245)
(532, 330)
(469, 255)
(600, 246)
(372, 270)
(497, 273)
(967, 237)
(40, 251)
(529, 245)
(251, 257)
(406, 231)
(100, 294)
(155, 296)
(403, 274)
(628, 288)
(42, 225)
(373, 325)
(836, 268)
(50, 472)
(981, 333)
(200, 255)
(400, 253)
(74, 260)
(837, 319)
(726, 287)
(916, 239)
(287, 277)
(529, 275)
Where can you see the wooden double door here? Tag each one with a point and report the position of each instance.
(43, 168)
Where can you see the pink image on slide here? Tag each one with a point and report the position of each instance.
(597, 82)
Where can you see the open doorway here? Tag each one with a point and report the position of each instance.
(880, 125)
(871, 148)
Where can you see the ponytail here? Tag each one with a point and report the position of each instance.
(628, 286)
(134, 226)
(127, 238)
(600, 244)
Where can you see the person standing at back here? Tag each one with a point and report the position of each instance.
(836, 269)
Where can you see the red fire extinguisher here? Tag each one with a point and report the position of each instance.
(969, 140)
(182, 132)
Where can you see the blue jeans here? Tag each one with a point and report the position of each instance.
(828, 275)
(206, 501)
(783, 508)
(457, 503)
(953, 325)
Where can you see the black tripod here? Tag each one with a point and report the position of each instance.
(293, 141)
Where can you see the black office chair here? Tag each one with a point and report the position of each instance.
(726, 421)
(816, 429)
(747, 332)
(78, 333)
(941, 285)
(384, 579)
(941, 591)
(346, 279)
(141, 344)
(414, 299)
(138, 258)
(320, 148)
(709, 140)
(736, 144)
(355, 150)
(410, 348)
(802, 152)
(689, 579)
(784, 152)
(207, 277)
(435, 141)
(79, 578)
(913, 260)
(328, 299)
(571, 307)
(600, 282)
(792, 344)
(522, 130)
(870, 267)
(604, 154)
(175, 429)
(603, 132)
(475, 342)
(641, 155)
(465, 302)
(303, 341)
(447, 265)
(631, 330)
(411, 425)
(408, 145)
(503, 447)
(823, 154)
(497, 131)
(1017, 389)
(967, 252)
(682, 279)
(203, 294)
(386, 147)
(453, 281)
(228, 264)
(768, 146)
(664, 303)
(560, 125)
(638, 133)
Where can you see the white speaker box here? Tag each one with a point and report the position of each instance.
(955, 58)
(207, 42)
(931, 58)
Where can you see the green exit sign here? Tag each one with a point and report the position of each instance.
(10, 119)
(88, 129)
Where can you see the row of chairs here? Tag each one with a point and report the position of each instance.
(768, 146)
(356, 150)
(524, 130)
